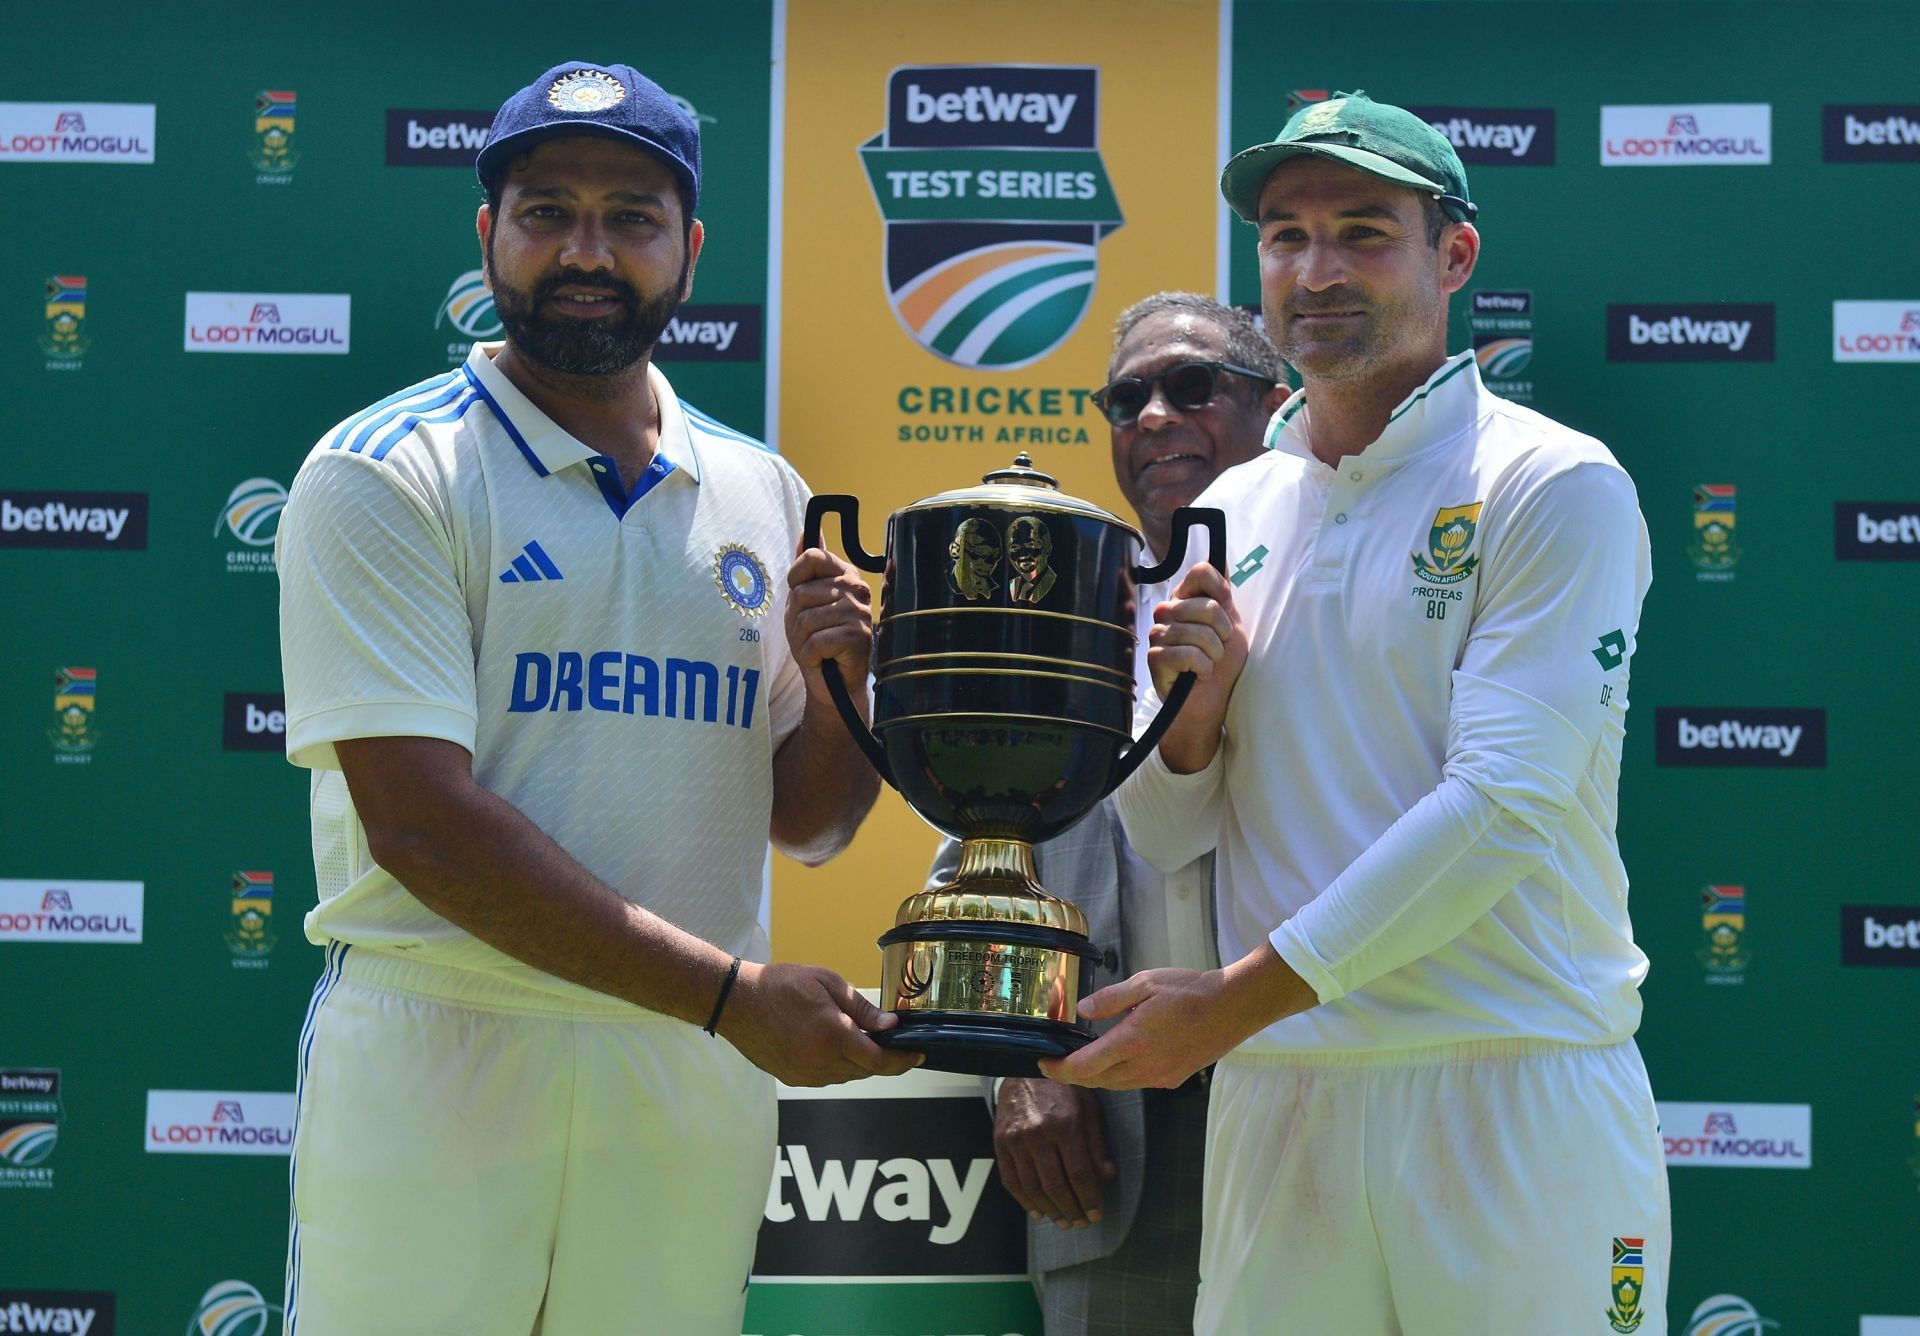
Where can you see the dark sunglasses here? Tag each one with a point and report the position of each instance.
(1187, 385)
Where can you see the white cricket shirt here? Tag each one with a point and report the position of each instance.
(455, 565)
(1415, 797)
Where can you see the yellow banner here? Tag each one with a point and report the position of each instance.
(972, 194)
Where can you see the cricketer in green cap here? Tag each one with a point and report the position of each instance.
(1386, 141)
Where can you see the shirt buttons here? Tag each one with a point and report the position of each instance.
(1355, 475)
(599, 468)
(1341, 518)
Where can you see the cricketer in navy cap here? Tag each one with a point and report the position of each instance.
(579, 98)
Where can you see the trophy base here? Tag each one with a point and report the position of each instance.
(983, 1045)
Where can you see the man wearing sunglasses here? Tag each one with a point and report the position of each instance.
(1429, 1115)
(1111, 1182)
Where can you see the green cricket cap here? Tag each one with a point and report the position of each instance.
(1383, 140)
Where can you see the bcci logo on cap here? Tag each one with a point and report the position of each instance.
(995, 199)
(233, 1308)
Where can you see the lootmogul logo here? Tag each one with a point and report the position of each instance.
(995, 198)
(76, 132)
(1876, 331)
(219, 1122)
(268, 322)
(1738, 1136)
(251, 518)
(273, 154)
(30, 1114)
(65, 341)
(1723, 934)
(1687, 136)
(1712, 551)
(233, 1308)
(71, 911)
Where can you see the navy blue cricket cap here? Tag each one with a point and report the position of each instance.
(613, 101)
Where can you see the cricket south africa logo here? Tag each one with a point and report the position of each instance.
(990, 182)
(65, 341)
(1448, 558)
(1629, 1281)
(273, 154)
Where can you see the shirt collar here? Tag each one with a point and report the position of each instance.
(549, 447)
(1439, 410)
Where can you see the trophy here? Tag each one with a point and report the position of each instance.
(1002, 712)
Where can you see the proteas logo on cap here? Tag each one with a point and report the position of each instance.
(586, 90)
(995, 199)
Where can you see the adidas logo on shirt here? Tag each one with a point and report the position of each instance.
(533, 564)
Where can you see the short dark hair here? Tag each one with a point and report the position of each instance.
(1436, 217)
(1245, 344)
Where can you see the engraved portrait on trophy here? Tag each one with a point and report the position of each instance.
(976, 554)
(1030, 555)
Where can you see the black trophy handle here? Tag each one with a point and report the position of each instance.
(848, 509)
(1185, 520)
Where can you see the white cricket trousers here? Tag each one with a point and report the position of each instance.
(473, 1157)
(1490, 1189)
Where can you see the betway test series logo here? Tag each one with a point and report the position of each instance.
(1696, 135)
(268, 322)
(995, 198)
(29, 1126)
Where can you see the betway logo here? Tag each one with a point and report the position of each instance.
(73, 519)
(424, 138)
(1875, 133)
(712, 333)
(1721, 332)
(268, 322)
(1495, 136)
(66, 1311)
(847, 1188)
(1880, 935)
(1876, 331)
(208, 1122)
(1702, 735)
(1687, 136)
(254, 721)
(1517, 302)
(982, 104)
(1876, 530)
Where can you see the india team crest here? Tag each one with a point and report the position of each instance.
(995, 198)
(742, 577)
(586, 91)
(1449, 556)
(1629, 1284)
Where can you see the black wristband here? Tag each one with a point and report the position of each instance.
(726, 991)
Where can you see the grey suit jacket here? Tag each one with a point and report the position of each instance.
(1083, 866)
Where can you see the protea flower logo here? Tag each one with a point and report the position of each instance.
(232, 1308)
(469, 307)
(252, 512)
(26, 1144)
(995, 199)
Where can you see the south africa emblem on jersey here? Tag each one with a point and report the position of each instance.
(743, 579)
(1628, 1284)
(1449, 545)
(995, 199)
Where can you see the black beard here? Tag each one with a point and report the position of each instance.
(573, 347)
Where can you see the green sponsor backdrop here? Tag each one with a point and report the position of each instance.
(170, 630)
(1792, 627)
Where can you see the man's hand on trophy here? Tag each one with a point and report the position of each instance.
(1199, 631)
(807, 1026)
(1052, 1147)
(829, 616)
(1177, 1021)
